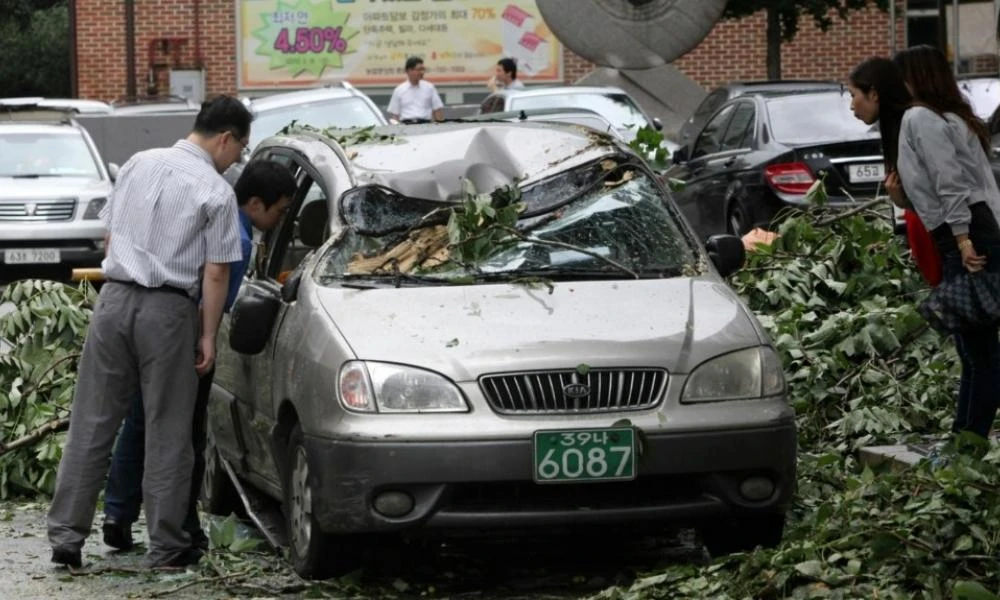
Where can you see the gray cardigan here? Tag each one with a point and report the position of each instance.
(944, 169)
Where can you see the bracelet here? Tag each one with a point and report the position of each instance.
(966, 243)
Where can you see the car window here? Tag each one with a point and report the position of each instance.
(812, 118)
(342, 113)
(303, 228)
(709, 105)
(614, 213)
(983, 95)
(619, 109)
(46, 155)
(710, 138)
(742, 122)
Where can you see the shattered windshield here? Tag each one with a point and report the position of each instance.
(606, 220)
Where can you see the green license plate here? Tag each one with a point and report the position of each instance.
(565, 456)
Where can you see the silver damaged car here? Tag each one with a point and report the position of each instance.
(402, 360)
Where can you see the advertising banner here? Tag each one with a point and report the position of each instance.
(304, 43)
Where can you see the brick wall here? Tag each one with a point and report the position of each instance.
(733, 50)
(101, 40)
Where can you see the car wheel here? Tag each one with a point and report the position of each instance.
(738, 219)
(218, 495)
(742, 534)
(314, 554)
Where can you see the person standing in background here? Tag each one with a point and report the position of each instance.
(415, 100)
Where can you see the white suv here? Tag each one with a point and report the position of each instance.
(53, 184)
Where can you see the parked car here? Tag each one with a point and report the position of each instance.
(53, 184)
(597, 371)
(760, 153)
(342, 106)
(612, 103)
(722, 94)
(78, 105)
(144, 105)
(577, 116)
(982, 92)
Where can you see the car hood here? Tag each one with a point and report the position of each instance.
(49, 187)
(465, 331)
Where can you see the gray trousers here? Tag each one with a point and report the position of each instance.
(138, 339)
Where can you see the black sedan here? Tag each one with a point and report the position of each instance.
(761, 153)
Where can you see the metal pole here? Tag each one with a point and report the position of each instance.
(954, 35)
(892, 26)
(130, 89)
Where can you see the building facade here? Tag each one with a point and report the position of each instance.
(201, 36)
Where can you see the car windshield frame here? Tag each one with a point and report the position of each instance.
(813, 118)
(46, 146)
(615, 101)
(616, 224)
(270, 120)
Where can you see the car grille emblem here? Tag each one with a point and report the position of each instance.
(30, 209)
(576, 390)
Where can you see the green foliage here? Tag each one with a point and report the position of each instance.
(789, 11)
(42, 336)
(34, 44)
(229, 535)
(484, 224)
(863, 368)
(648, 143)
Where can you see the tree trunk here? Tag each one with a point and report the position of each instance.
(773, 43)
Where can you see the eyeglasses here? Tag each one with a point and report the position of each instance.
(244, 146)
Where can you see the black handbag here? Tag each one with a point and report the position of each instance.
(966, 301)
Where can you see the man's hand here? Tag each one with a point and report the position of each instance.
(205, 356)
(895, 189)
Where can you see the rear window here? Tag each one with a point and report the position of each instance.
(341, 113)
(616, 108)
(813, 118)
(46, 155)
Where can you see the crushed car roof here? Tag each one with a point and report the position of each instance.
(430, 161)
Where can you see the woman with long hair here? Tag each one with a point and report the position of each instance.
(936, 150)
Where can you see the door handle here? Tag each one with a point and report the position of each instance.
(729, 162)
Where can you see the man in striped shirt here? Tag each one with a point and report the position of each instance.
(172, 228)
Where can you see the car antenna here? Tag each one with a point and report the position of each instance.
(523, 116)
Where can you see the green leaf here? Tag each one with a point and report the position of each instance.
(971, 590)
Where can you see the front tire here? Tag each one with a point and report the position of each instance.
(313, 553)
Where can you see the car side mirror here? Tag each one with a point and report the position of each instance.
(680, 155)
(113, 169)
(657, 124)
(727, 253)
(253, 317)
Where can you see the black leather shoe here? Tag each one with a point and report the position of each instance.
(65, 556)
(117, 535)
(191, 556)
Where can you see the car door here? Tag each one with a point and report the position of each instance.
(722, 184)
(282, 251)
(700, 170)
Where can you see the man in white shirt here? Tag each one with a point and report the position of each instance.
(415, 99)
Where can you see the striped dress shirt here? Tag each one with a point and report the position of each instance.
(169, 214)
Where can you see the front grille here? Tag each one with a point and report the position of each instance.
(602, 390)
(38, 210)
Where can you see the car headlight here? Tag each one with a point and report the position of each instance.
(94, 208)
(742, 375)
(367, 386)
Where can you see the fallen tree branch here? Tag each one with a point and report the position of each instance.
(218, 579)
(38, 381)
(853, 211)
(53, 426)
